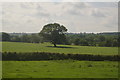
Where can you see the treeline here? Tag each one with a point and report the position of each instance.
(82, 39)
(38, 56)
(29, 38)
(91, 39)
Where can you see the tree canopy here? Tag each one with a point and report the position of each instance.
(5, 36)
(54, 33)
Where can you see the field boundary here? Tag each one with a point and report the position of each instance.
(39, 56)
(60, 79)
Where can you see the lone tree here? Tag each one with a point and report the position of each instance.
(54, 33)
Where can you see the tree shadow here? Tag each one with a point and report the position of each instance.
(60, 47)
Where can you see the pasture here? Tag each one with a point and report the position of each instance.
(60, 69)
(47, 47)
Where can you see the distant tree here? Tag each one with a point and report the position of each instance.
(83, 42)
(108, 43)
(0, 36)
(102, 44)
(25, 38)
(77, 41)
(15, 39)
(54, 33)
(101, 38)
(115, 43)
(118, 40)
(5, 36)
(35, 38)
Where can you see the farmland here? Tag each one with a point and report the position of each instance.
(60, 69)
(47, 47)
(59, 40)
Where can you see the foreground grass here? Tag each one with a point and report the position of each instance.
(60, 69)
(47, 47)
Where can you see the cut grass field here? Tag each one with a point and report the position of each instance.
(60, 69)
(47, 47)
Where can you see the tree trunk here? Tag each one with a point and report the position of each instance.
(55, 45)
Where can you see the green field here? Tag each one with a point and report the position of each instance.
(47, 47)
(60, 69)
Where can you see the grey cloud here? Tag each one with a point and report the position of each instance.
(42, 14)
(80, 9)
(30, 17)
(25, 6)
(105, 4)
(76, 8)
(38, 10)
(98, 14)
(87, 9)
(74, 12)
(113, 23)
(30, 5)
(81, 5)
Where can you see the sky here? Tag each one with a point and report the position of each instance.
(75, 16)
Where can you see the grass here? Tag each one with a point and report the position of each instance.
(47, 47)
(60, 69)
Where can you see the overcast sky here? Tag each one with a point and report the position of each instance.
(75, 16)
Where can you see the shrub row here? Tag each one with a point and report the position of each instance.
(59, 79)
(37, 56)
